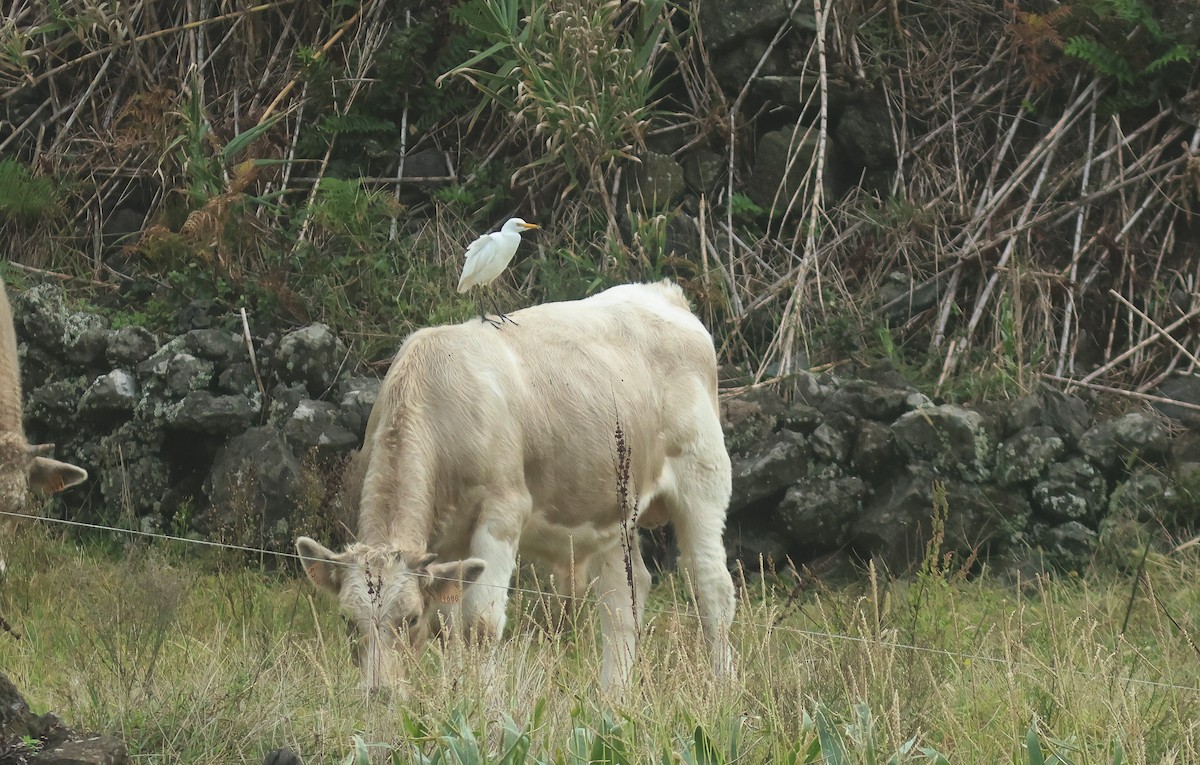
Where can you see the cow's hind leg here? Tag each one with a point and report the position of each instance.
(621, 611)
(696, 504)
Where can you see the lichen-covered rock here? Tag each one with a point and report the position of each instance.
(284, 400)
(875, 454)
(866, 400)
(1140, 496)
(768, 470)
(255, 483)
(113, 393)
(1024, 456)
(1070, 491)
(313, 356)
(865, 132)
(780, 169)
(318, 425)
(88, 348)
(131, 469)
(948, 437)
(801, 418)
(895, 522)
(40, 316)
(749, 418)
(204, 412)
(54, 405)
(86, 750)
(818, 513)
(216, 345)
(238, 378)
(129, 346)
(1123, 439)
(833, 439)
(657, 181)
(1067, 414)
(186, 373)
(1068, 546)
(703, 168)
(358, 396)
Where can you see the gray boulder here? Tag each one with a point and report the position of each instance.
(657, 181)
(358, 396)
(1123, 439)
(113, 393)
(1067, 414)
(703, 169)
(216, 345)
(1070, 491)
(749, 418)
(1140, 496)
(238, 378)
(254, 488)
(211, 414)
(40, 316)
(132, 472)
(1068, 546)
(896, 520)
(875, 454)
(88, 348)
(768, 470)
(313, 356)
(129, 346)
(865, 132)
(817, 513)
(780, 169)
(865, 399)
(54, 405)
(318, 425)
(833, 439)
(947, 436)
(1025, 456)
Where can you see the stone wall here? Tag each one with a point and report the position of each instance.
(181, 435)
(855, 467)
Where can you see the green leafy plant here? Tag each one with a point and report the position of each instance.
(24, 198)
(576, 77)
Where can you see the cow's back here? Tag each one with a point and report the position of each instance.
(539, 405)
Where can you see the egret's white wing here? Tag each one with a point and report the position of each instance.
(471, 268)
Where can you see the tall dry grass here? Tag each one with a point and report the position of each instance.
(189, 666)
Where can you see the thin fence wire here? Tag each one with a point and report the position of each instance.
(799, 631)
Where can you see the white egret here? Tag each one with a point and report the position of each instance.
(488, 256)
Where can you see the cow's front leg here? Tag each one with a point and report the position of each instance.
(621, 610)
(495, 540)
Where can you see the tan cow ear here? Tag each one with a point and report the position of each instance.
(52, 476)
(320, 563)
(445, 582)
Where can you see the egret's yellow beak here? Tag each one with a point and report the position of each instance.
(530, 225)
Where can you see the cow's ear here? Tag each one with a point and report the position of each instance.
(320, 563)
(445, 582)
(51, 476)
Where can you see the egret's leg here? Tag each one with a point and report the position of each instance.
(496, 310)
(483, 314)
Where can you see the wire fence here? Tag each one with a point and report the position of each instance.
(958, 656)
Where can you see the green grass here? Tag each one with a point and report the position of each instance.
(192, 657)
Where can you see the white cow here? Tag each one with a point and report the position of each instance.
(21, 465)
(484, 444)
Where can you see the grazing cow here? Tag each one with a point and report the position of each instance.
(483, 444)
(21, 466)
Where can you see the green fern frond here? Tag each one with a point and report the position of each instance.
(24, 198)
(1100, 58)
(1176, 54)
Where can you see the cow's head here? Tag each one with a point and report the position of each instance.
(22, 467)
(389, 597)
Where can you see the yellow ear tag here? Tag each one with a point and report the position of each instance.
(453, 595)
(312, 571)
